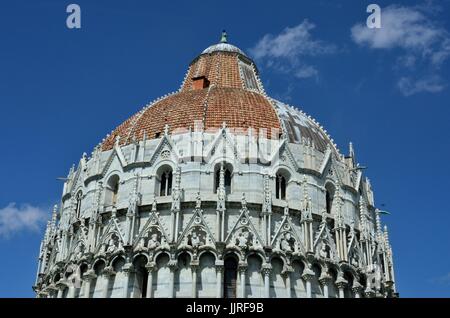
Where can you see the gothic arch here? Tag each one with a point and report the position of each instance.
(140, 276)
(254, 280)
(282, 178)
(183, 275)
(112, 189)
(162, 273)
(164, 178)
(330, 190)
(228, 176)
(277, 282)
(207, 277)
(298, 285)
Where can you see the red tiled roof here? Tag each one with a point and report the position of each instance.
(225, 100)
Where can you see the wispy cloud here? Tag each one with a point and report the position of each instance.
(443, 280)
(432, 84)
(422, 42)
(290, 50)
(15, 219)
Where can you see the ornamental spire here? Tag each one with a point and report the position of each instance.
(221, 192)
(224, 37)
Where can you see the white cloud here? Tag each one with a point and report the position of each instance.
(288, 51)
(306, 71)
(422, 42)
(407, 28)
(432, 84)
(444, 279)
(14, 219)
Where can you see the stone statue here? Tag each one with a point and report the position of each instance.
(285, 243)
(355, 259)
(243, 201)
(198, 203)
(111, 245)
(324, 251)
(79, 251)
(141, 244)
(195, 239)
(243, 239)
(153, 242)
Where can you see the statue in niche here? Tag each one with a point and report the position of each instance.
(243, 239)
(287, 242)
(195, 239)
(244, 201)
(198, 203)
(324, 251)
(113, 244)
(153, 242)
(103, 248)
(354, 259)
(79, 250)
(83, 228)
(176, 195)
(141, 244)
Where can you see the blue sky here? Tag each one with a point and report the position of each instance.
(62, 91)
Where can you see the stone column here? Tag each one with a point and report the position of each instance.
(60, 286)
(177, 224)
(173, 265)
(194, 268)
(341, 283)
(108, 272)
(369, 292)
(308, 276)
(266, 270)
(222, 223)
(219, 274)
(325, 281)
(150, 269)
(71, 292)
(219, 237)
(242, 271)
(87, 278)
(52, 291)
(127, 269)
(287, 278)
(356, 289)
(266, 242)
(129, 228)
(43, 294)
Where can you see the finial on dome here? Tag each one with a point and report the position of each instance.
(223, 39)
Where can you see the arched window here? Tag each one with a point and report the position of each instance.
(227, 178)
(78, 203)
(166, 183)
(112, 191)
(115, 191)
(230, 277)
(280, 187)
(141, 277)
(329, 197)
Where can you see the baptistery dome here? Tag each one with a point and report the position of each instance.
(217, 190)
